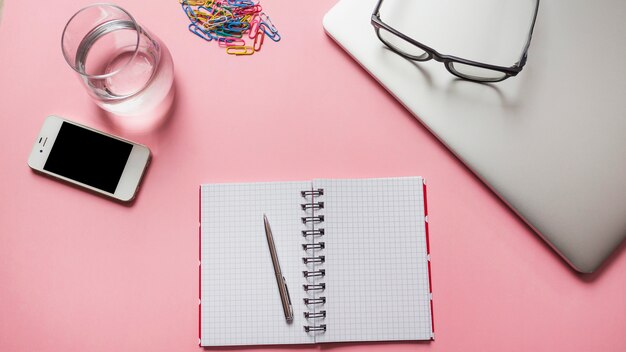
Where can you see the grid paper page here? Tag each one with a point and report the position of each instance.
(240, 301)
(377, 283)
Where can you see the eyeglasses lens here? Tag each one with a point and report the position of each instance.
(408, 49)
(476, 73)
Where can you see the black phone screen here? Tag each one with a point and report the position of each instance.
(88, 157)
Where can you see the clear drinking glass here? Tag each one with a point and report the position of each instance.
(126, 69)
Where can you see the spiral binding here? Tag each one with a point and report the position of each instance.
(314, 273)
(309, 315)
(314, 287)
(317, 192)
(316, 232)
(320, 300)
(318, 205)
(313, 257)
(313, 219)
(313, 246)
(318, 259)
(308, 328)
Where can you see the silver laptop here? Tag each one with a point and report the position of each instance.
(550, 142)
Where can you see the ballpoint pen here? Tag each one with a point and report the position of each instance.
(280, 279)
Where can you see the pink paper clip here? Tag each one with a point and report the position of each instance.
(223, 41)
(255, 24)
(236, 42)
(258, 41)
(251, 10)
(231, 23)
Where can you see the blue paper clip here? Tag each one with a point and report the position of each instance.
(227, 21)
(269, 33)
(223, 32)
(189, 11)
(237, 26)
(240, 3)
(265, 19)
(200, 33)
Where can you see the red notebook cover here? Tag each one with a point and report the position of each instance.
(200, 265)
(430, 280)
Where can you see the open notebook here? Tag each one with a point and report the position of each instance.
(371, 279)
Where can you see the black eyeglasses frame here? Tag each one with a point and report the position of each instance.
(449, 60)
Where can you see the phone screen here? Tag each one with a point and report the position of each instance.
(88, 157)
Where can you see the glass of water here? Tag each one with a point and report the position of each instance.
(126, 69)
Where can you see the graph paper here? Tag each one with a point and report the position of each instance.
(240, 302)
(375, 262)
(376, 265)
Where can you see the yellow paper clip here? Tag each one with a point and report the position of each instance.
(192, 2)
(240, 50)
(228, 22)
(201, 15)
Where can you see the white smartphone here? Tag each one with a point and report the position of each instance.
(100, 162)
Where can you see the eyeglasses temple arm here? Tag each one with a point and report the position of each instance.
(377, 8)
(524, 56)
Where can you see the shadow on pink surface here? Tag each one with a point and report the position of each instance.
(153, 123)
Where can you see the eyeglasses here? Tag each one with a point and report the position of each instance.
(462, 68)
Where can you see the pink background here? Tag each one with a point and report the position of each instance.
(81, 273)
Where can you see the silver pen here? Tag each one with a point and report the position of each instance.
(280, 279)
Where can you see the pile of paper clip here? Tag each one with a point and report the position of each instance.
(230, 23)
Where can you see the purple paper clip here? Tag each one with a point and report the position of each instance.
(224, 41)
(230, 21)
(235, 42)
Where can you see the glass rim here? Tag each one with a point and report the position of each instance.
(130, 59)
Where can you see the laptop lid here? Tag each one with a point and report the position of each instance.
(550, 142)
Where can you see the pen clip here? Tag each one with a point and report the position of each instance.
(290, 317)
(287, 289)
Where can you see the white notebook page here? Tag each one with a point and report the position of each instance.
(240, 302)
(377, 284)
